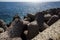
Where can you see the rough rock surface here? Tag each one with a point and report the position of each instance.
(5, 36)
(33, 30)
(1, 30)
(52, 20)
(16, 28)
(3, 25)
(47, 17)
(29, 17)
(53, 32)
(40, 21)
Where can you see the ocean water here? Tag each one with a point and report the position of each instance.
(9, 9)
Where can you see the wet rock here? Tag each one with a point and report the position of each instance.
(53, 19)
(33, 30)
(40, 20)
(3, 25)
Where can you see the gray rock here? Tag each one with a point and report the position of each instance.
(1, 30)
(53, 19)
(33, 30)
(30, 17)
(5, 36)
(47, 17)
(53, 32)
(3, 25)
(16, 28)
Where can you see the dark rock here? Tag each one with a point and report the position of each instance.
(25, 24)
(45, 25)
(53, 19)
(50, 39)
(29, 17)
(3, 25)
(16, 16)
(59, 15)
(33, 30)
(24, 33)
(47, 17)
(40, 20)
(1, 30)
(16, 28)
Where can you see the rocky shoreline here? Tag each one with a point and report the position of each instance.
(31, 26)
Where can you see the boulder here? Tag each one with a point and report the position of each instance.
(16, 28)
(51, 33)
(59, 14)
(1, 30)
(47, 17)
(40, 20)
(25, 24)
(27, 19)
(3, 25)
(5, 36)
(33, 30)
(52, 20)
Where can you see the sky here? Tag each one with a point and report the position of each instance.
(29, 0)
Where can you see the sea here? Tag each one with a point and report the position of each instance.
(9, 9)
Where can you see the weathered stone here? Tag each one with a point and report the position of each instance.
(1, 30)
(16, 16)
(16, 28)
(40, 20)
(33, 30)
(5, 36)
(53, 19)
(59, 15)
(30, 17)
(45, 25)
(27, 19)
(52, 32)
(3, 25)
(47, 17)
(25, 24)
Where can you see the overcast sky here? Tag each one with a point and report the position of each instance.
(29, 0)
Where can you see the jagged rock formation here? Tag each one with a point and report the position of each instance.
(47, 17)
(29, 17)
(53, 19)
(33, 30)
(53, 32)
(3, 25)
(1, 30)
(14, 32)
(16, 28)
(40, 20)
(41, 26)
